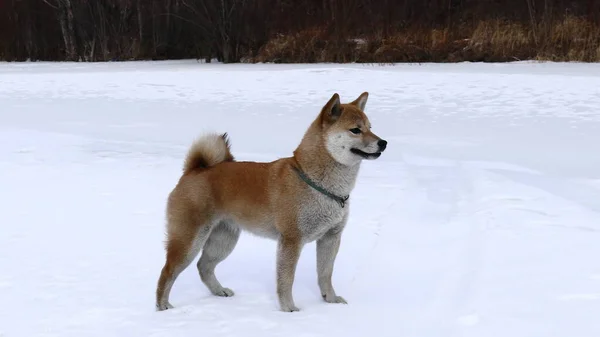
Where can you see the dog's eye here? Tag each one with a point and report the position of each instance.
(355, 131)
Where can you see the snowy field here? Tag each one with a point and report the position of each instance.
(481, 219)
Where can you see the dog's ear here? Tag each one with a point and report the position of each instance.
(333, 109)
(361, 101)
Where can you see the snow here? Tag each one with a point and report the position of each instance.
(482, 218)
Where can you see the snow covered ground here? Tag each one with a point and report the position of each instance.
(481, 219)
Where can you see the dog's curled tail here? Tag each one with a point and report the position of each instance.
(207, 151)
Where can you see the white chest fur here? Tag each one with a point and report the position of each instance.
(318, 215)
(319, 212)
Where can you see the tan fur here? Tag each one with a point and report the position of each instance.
(217, 196)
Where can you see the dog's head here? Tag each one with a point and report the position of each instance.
(347, 131)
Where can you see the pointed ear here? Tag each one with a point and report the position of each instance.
(361, 101)
(332, 110)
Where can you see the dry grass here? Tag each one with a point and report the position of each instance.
(569, 39)
(500, 41)
(309, 46)
(573, 39)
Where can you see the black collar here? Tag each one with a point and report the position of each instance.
(303, 176)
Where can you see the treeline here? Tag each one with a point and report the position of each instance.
(300, 30)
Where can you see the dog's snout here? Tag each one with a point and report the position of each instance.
(382, 144)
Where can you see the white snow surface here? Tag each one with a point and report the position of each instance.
(481, 219)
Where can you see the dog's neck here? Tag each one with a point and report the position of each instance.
(316, 162)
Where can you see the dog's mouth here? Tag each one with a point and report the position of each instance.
(364, 154)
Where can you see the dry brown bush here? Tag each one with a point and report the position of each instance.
(500, 41)
(570, 39)
(310, 46)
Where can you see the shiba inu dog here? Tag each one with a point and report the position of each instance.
(294, 200)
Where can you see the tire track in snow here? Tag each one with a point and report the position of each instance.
(425, 222)
(378, 224)
(459, 242)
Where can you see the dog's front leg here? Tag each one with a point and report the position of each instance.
(327, 249)
(288, 253)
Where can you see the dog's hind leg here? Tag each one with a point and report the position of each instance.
(219, 245)
(182, 248)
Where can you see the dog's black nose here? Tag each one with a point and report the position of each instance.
(382, 144)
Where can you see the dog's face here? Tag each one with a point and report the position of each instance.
(347, 131)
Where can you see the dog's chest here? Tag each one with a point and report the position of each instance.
(320, 215)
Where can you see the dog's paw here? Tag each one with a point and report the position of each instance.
(163, 306)
(289, 308)
(334, 299)
(224, 292)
